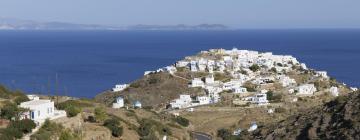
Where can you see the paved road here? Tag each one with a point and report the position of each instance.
(201, 136)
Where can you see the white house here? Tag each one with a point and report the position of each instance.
(253, 127)
(193, 66)
(306, 89)
(203, 100)
(286, 81)
(260, 99)
(182, 63)
(237, 132)
(170, 69)
(40, 110)
(322, 74)
(137, 104)
(183, 102)
(120, 87)
(197, 82)
(119, 103)
(354, 88)
(233, 83)
(334, 91)
(239, 90)
(303, 66)
(33, 97)
(209, 79)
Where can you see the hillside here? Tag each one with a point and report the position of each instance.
(151, 90)
(337, 119)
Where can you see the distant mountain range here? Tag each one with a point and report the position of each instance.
(17, 24)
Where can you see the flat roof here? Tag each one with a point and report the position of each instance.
(35, 102)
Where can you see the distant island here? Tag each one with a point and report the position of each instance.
(18, 24)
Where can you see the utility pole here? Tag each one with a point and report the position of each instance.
(56, 88)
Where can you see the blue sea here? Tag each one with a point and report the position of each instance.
(89, 62)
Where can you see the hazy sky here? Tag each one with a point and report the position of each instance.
(235, 13)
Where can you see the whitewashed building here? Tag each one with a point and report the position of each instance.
(286, 81)
(239, 90)
(253, 127)
(306, 89)
(137, 104)
(119, 103)
(33, 97)
(260, 99)
(182, 102)
(193, 66)
(182, 63)
(209, 79)
(119, 87)
(322, 74)
(203, 100)
(197, 82)
(334, 91)
(40, 110)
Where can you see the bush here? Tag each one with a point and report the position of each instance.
(273, 69)
(72, 111)
(135, 85)
(153, 80)
(21, 99)
(50, 130)
(100, 114)
(10, 134)
(280, 110)
(182, 121)
(9, 111)
(271, 96)
(113, 125)
(91, 119)
(254, 67)
(224, 133)
(16, 129)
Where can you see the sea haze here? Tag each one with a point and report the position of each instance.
(89, 62)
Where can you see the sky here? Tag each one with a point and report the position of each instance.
(233, 13)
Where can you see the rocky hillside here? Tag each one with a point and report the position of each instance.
(151, 90)
(337, 119)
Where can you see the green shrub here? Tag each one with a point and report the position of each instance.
(50, 130)
(224, 133)
(254, 67)
(113, 125)
(76, 103)
(16, 129)
(67, 135)
(91, 119)
(9, 111)
(182, 121)
(100, 114)
(135, 85)
(10, 134)
(72, 111)
(20, 99)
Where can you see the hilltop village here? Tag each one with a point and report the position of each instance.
(241, 89)
(252, 77)
(215, 94)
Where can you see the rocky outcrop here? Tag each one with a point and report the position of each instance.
(337, 119)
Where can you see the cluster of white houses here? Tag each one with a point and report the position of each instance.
(238, 63)
(39, 110)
